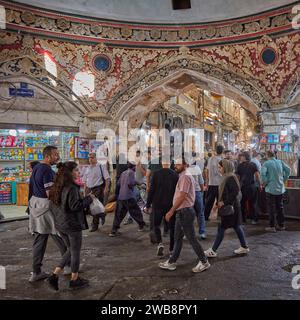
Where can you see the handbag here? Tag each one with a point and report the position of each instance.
(226, 211)
(96, 207)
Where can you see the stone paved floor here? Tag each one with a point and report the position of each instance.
(125, 267)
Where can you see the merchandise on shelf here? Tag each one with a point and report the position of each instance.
(13, 154)
(8, 192)
(5, 193)
(81, 148)
(11, 142)
(34, 147)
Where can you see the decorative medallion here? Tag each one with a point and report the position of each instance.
(102, 63)
(268, 56)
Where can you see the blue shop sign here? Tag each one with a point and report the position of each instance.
(23, 91)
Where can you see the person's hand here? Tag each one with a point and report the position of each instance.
(220, 204)
(261, 187)
(91, 195)
(169, 215)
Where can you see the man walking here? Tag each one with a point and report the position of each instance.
(126, 201)
(41, 219)
(183, 208)
(214, 179)
(196, 172)
(274, 174)
(160, 196)
(249, 177)
(97, 181)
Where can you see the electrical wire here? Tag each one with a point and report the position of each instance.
(48, 93)
(13, 98)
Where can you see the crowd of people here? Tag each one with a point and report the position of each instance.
(174, 195)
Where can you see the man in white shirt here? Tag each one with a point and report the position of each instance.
(214, 179)
(97, 181)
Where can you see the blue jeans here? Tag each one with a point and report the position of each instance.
(199, 208)
(220, 236)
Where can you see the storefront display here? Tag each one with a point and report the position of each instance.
(8, 193)
(292, 203)
(81, 148)
(275, 142)
(17, 150)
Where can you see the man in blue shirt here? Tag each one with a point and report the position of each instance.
(41, 220)
(274, 174)
(126, 201)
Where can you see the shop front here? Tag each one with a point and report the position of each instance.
(18, 148)
(292, 199)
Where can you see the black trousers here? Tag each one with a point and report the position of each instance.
(275, 209)
(124, 206)
(262, 201)
(212, 195)
(249, 200)
(39, 248)
(73, 241)
(184, 226)
(99, 193)
(158, 218)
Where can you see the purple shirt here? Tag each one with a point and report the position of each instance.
(127, 183)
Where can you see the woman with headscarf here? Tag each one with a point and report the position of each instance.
(229, 195)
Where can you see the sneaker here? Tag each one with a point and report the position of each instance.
(270, 229)
(128, 221)
(283, 228)
(210, 253)
(241, 250)
(37, 277)
(143, 228)
(201, 267)
(160, 250)
(253, 222)
(94, 228)
(68, 272)
(167, 266)
(78, 283)
(202, 236)
(53, 281)
(114, 233)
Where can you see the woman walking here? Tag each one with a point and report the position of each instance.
(68, 209)
(229, 194)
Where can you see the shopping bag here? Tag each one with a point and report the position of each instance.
(96, 207)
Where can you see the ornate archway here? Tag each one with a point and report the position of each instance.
(211, 77)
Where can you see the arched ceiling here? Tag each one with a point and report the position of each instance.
(158, 11)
